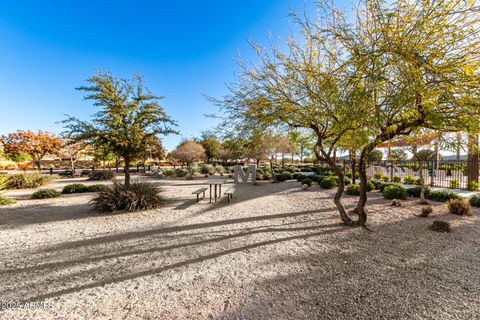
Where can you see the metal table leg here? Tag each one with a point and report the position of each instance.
(210, 193)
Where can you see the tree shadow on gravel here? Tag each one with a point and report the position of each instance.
(115, 276)
(388, 274)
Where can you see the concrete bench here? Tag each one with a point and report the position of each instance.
(197, 192)
(229, 192)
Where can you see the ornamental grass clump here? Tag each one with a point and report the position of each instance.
(27, 180)
(139, 196)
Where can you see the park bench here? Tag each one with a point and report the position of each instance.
(229, 192)
(197, 192)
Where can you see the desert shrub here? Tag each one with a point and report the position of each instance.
(454, 184)
(329, 183)
(180, 173)
(395, 192)
(220, 169)
(409, 180)
(207, 169)
(189, 176)
(347, 181)
(280, 177)
(168, 172)
(75, 188)
(292, 169)
(4, 201)
(139, 196)
(397, 179)
(387, 184)
(441, 195)
(385, 178)
(287, 175)
(353, 190)
(417, 181)
(300, 177)
(415, 192)
(370, 186)
(194, 170)
(27, 180)
(296, 175)
(307, 181)
(426, 211)
(65, 173)
(473, 186)
(475, 200)
(396, 203)
(441, 226)
(267, 175)
(316, 178)
(101, 175)
(45, 194)
(378, 176)
(376, 184)
(348, 174)
(97, 188)
(459, 207)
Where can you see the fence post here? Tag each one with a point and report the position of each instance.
(391, 171)
(432, 174)
(51, 171)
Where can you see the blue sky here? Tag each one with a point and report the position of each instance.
(184, 49)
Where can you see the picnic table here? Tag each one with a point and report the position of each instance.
(216, 183)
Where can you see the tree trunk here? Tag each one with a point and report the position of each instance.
(38, 163)
(472, 164)
(338, 195)
(127, 172)
(72, 167)
(271, 169)
(422, 183)
(362, 170)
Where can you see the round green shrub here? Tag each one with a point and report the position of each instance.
(45, 194)
(74, 188)
(473, 186)
(414, 192)
(376, 184)
(386, 178)
(370, 186)
(475, 200)
(397, 179)
(387, 184)
(441, 195)
(307, 181)
(353, 190)
(378, 176)
(300, 177)
(207, 169)
(329, 183)
(347, 181)
(395, 192)
(409, 180)
(454, 184)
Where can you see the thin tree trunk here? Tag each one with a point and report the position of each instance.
(362, 170)
(127, 172)
(271, 169)
(72, 166)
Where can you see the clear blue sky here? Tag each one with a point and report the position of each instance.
(184, 49)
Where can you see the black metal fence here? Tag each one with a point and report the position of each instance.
(444, 174)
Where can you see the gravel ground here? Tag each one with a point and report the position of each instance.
(275, 252)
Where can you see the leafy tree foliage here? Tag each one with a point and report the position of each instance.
(35, 145)
(188, 152)
(129, 117)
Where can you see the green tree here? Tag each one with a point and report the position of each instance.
(211, 144)
(129, 116)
